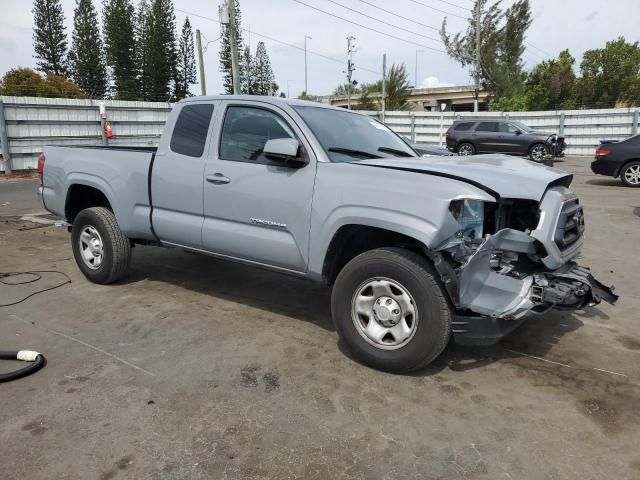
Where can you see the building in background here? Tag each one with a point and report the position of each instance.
(457, 99)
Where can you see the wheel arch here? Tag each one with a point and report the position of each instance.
(81, 195)
(352, 239)
(618, 172)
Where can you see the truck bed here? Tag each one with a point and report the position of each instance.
(121, 173)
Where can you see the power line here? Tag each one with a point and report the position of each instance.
(438, 10)
(385, 23)
(400, 16)
(333, 59)
(539, 49)
(370, 28)
(455, 5)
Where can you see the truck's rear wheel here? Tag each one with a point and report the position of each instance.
(390, 310)
(101, 250)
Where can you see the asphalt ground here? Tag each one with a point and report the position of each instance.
(196, 368)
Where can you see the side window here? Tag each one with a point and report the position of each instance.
(487, 127)
(507, 128)
(464, 126)
(247, 129)
(190, 131)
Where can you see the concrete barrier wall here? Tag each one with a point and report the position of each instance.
(31, 123)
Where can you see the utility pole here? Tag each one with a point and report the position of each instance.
(477, 92)
(350, 67)
(233, 40)
(203, 84)
(306, 87)
(415, 84)
(384, 85)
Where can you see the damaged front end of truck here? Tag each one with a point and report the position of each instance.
(513, 257)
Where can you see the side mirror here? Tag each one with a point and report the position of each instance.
(285, 150)
(518, 132)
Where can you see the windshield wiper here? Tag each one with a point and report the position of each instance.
(394, 151)
(355, 153)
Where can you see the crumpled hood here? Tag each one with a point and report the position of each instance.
(506, 176)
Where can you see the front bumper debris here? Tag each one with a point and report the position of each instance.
(497, 289)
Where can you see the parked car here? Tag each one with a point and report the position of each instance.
(619, 159)
(417, 250)
(424, 149)
(469, 137)
(431, 150)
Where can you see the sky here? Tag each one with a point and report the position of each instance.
(282, 24)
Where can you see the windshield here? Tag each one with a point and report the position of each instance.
(523, 127)
(348, 136)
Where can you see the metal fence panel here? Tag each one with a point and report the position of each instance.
(32, 123)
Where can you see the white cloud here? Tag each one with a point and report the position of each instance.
(433, 82)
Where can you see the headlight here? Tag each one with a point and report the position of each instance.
(469, 215)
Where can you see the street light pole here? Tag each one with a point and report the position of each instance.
(415, 84)
(306, 87)
(288, 89)
(203, 82)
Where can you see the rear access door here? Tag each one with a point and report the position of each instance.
(177, 174)
(257, 209)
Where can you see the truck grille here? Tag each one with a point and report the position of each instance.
(570, 225)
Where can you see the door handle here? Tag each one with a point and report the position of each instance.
(218, 179)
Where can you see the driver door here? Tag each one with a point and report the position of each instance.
(255, 208)
(509, 138)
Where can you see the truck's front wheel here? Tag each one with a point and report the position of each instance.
(101, 250)
(390, 310)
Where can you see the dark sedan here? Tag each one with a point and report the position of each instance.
(619, 159)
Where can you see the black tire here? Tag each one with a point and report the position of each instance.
(433, 312)
(465, 149)
(116, 247)
(628, 174)
(533, 155)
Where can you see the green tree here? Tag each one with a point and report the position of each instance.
(119, 40)
(86, 56)
(397, 91)
(141, 34)
(225, 52)
(610, 76)
(247, 82)
(161, 50)
(341, 90)
(501, 47)
(25, 82)
(49, 38)
(262, 73)
(186, 69)
(550, 84)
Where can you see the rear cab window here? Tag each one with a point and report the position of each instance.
(190, 131)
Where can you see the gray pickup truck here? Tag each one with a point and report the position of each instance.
(418, 250)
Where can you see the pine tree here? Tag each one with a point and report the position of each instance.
(86, 60)
(141, 32)
(263, 75)
(247, 82)
(161, 51)
(120, 49)
(186, 70)
(49, 38)
(225, 52)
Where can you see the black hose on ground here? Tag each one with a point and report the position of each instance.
(36, 360)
